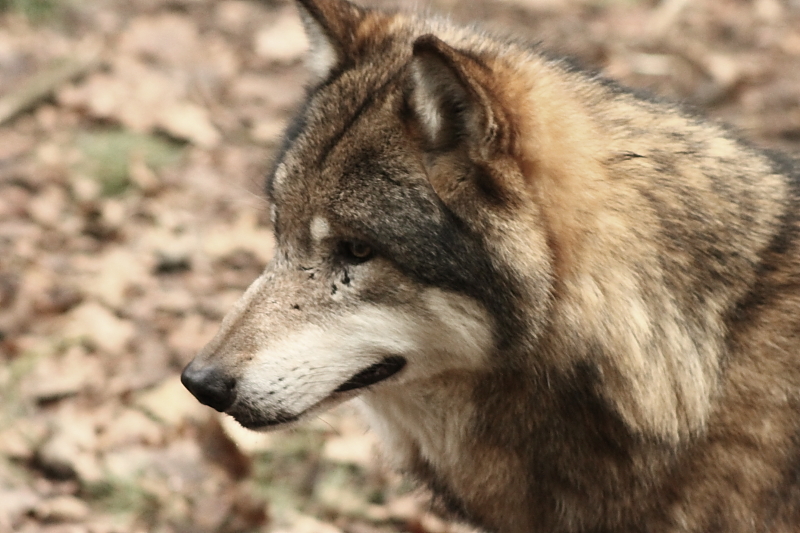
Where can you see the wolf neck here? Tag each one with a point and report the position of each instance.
(473, 440)
(495, 442)
(422, 422)
(428, 429)
(654, 333)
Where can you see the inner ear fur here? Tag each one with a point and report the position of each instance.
(331, 28)
(458, 117)
(448, 99)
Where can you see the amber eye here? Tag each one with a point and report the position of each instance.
(357, 251)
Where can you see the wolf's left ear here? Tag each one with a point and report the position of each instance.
(448, 98)
(330, 26)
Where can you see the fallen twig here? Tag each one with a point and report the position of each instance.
(41, 85)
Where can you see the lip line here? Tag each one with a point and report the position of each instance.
(394, 363)
(336, 397)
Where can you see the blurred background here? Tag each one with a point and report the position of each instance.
(134, 138)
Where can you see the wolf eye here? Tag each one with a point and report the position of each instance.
(356, 251)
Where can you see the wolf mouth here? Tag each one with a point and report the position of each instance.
(265, 424)
(373, 374)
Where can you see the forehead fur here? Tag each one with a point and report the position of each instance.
(378, 57)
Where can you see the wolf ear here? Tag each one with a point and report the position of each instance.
(447, 97)
(330, 26)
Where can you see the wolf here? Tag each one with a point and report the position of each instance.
(562, 306)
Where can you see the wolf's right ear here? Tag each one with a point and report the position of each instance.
(330, 26)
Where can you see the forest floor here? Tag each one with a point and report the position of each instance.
(134, 139)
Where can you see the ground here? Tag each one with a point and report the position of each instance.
(134, 138)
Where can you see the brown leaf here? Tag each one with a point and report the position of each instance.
(117, 273)
(100, 327)
(61, 509)
(246, 235)
(128, 428)
(171, 403)
(60, 376)
(211, 511)
(220, 449)
(189, 121)
(46, 207)
(249, 512)
(169, 38)
(14, 504)
(69, 452)
(57, 299)
(21, 440)
(284, 41)
(353, 449)
(193, 333)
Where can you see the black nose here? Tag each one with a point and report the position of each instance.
(209, 385)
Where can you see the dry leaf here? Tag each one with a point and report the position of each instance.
(61, 509)
(100, 327)
(171, 403)
(14, 504)
(69, 451)
(169, 38)
(20, 441)
(222, 450)
(193, 333)
(115, 274)
(188, 121)
(308, 524)
(354, 449)
(245, 235)
(284, 40)
(47, 207)
(128, 428)
(57, 377)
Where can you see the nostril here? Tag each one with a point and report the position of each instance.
(209, 385)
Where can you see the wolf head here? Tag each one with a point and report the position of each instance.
(442, 213)
(382, 196)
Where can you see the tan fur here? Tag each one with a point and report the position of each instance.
(564, 308)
